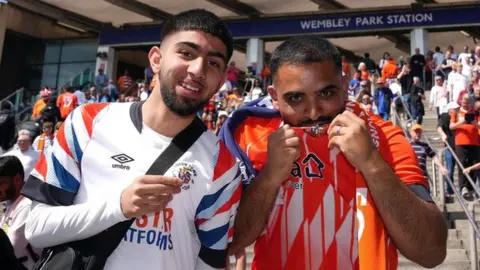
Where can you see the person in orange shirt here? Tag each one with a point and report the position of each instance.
(467, 142)
(66, 102)
(390, 70)
(41, 103)
(327, 187)
(365, 74)
(125, 83)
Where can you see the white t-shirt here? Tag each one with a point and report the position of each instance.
(81, 97)
(467, 71)
(435, 95)
(456, 83)
(256, 93)
(28, 159)
(13, 223)
(46, 144)
(112, 147)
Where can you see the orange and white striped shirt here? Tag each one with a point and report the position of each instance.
(324, 216)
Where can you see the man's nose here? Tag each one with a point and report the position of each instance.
(197, 68)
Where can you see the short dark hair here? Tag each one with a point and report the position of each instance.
(11, 166)
(200, 20)
(303, 50)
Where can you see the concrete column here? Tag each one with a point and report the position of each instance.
(3, 27)
(106, 63)
(419, 39)
(255, 55)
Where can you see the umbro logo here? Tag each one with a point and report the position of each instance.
(122, 159)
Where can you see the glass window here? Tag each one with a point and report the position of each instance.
(42, 75)
(75, 74)
(79, 50)
(52, 52)
(49, 75)
(34, 52)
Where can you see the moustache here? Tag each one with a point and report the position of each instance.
(319, 121)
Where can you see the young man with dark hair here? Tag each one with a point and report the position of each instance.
(17, 210)
(315, 165)
(183, 218)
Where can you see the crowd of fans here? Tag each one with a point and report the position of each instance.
(453, 82)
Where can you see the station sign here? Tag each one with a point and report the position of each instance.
(367, 22)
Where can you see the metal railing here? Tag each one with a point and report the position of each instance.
(17, 100)
(467, 207)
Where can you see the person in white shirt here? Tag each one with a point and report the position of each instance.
(44, 140)
(436, 94)
(456, 82)
(25, 153)
(17, 209)
(256, 90)
(462, 57)
(467, 67)
(92, 179)
(80, 96)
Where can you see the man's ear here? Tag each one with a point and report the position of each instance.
(154, 56)
(273, 93)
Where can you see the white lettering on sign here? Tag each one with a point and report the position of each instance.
(367, 21)
(325, 24)
(370, 20)
(410, 18)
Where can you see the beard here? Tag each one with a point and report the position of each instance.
(181, 106)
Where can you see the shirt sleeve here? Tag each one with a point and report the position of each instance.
(56, 177)
(54, 183)
(16, 228)
(35, 143)
(398, 152)
(429, 151)
(453, 117)
(216, 211)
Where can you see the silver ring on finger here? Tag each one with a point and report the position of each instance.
(338, 130)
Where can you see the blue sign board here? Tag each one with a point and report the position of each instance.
(365, 22)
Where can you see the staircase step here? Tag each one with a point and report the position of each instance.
(463, 224)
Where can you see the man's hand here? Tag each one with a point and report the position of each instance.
(467, 170)
(283, 149)
(444, 137)
(350, 134)
(444, 170)
(148, 194)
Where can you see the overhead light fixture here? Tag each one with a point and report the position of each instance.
(465, 33)
(71, 27)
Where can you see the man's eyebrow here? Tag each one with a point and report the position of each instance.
(293, 92)
(302, 92)
(328, 87)
(189, 44)
(196, 47)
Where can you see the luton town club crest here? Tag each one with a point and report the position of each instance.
(186, 172)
